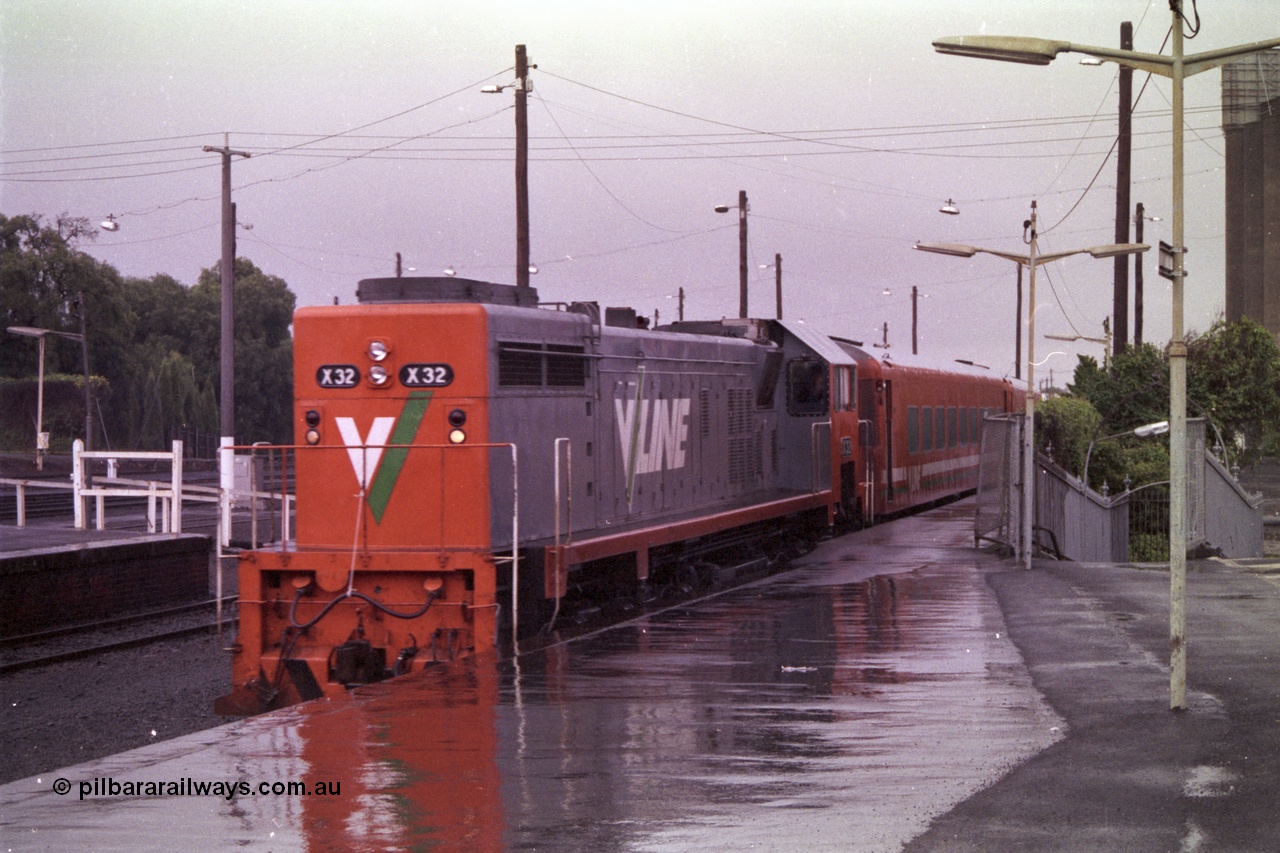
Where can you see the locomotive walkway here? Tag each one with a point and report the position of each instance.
(898, 690)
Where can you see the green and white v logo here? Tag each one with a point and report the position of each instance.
(366, 452)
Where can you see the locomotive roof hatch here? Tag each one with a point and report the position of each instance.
(442, 289)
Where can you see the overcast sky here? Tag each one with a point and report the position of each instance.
(370, 136)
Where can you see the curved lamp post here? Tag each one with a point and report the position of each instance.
(1144, 431)
(1031, 260)
(1177, 67)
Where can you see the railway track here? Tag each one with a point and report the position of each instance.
(74, 642)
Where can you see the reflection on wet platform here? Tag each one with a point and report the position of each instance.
(846, 703)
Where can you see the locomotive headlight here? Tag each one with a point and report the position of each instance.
(378, 351)
(313, 436)
(378, 375)
(457, 436)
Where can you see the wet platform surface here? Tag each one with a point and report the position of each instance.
(870, 699)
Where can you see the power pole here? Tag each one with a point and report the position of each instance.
(522, 167)
(915, 298)
(742, 253)
(228, 374)
(1137, 277)
(681, 305)
(777, 268)
(1120, 301)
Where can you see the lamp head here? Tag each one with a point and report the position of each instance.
(1027, 51)
(954, 249)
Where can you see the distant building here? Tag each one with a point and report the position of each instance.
(1251, 125)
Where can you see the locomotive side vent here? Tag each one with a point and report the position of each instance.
(744, 441)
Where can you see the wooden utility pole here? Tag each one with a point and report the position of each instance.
(742, 253)
(1137, 277)
(777, 269)
(228, 373)
(522, 167)
(1120, 300)
(915, 299)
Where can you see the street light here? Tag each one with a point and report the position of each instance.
(743, 207)
(1031, 260)
(1176, 67)
(42, 437)
(1105, 340)
(1144, 431)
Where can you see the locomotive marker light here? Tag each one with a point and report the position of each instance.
(1030, 260)
(312, 435)
(1176, 67)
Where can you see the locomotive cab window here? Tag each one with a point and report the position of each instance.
(844, 389)
(808, 390)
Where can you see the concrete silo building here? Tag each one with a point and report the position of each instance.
(1251, 125)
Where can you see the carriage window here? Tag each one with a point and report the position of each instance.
(926, 428)
(964, 426)
(913, 429)
(951, 426)
(974, 427)
(940, 428)
(807, 387)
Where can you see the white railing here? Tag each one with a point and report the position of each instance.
(170, 497)
(20, 493)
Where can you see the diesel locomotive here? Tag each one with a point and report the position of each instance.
(468, 461)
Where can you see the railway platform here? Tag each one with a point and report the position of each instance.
(58, 575)
(896, 690)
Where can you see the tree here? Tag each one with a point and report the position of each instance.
(263, 349)
(1233, 378)
(46, 282)
(154, 344)
(1064, 428)
(1135, 391)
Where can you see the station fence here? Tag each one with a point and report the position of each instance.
(1074, 522)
